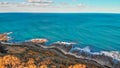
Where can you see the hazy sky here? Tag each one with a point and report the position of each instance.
(89, 5)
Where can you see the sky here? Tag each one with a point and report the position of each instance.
(84, 5)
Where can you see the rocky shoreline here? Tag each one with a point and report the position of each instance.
(37, 55)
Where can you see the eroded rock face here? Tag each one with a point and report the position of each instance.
(31, 55)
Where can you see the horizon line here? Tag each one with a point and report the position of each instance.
(57, 12)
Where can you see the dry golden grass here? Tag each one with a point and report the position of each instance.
(11, 61)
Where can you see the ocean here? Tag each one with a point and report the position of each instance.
(98, 31)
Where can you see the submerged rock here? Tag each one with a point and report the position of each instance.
(5, 37)
(39, 40)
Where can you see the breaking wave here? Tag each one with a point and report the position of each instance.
(113, 54)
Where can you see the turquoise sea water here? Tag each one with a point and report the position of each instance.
(99, 31)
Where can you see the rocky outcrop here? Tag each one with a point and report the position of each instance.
(34, 55)
(85, 53)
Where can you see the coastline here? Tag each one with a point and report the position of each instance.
(68, 48)
(109, 59)
(59, 34)
(101, 61)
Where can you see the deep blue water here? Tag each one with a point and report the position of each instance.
(99, 31)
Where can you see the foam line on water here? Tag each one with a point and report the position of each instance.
(112, 54)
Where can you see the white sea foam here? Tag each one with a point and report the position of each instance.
(9, 33)
(112, 54)
(86, 49)
(65, 43)
(75, 49)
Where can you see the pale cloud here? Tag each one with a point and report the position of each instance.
(40, 1)
(50, 6)
(81, 5)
